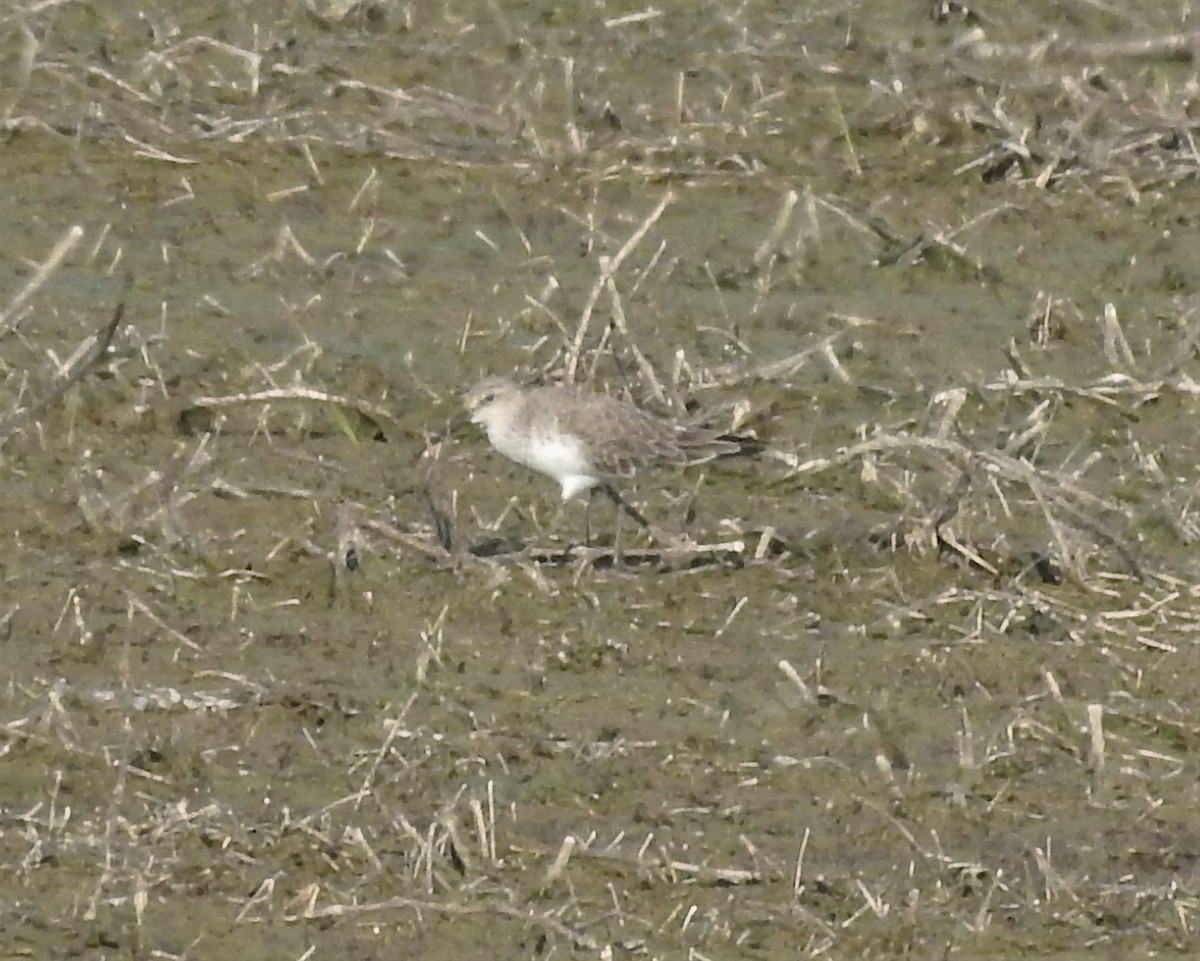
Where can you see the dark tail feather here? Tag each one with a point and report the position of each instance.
(743, 446)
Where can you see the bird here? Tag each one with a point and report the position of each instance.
(585, 440)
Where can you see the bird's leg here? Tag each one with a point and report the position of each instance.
(561, 528)
(656, 534)
(617, 537)
(623, 505)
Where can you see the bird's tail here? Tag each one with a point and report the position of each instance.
(741, 445)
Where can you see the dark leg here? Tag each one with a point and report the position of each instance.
(623, 505)
(617, 560)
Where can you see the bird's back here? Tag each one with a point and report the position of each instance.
(621, 438)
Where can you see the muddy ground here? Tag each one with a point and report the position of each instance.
(291, 672)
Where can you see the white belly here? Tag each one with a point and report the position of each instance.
(560, 456)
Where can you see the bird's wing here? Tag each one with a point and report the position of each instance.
(620, 437)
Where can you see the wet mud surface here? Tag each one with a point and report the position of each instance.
(291, 669)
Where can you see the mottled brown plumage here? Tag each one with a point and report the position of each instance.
(584, 439)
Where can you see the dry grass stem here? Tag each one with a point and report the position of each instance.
(58, 253)
(608, 270)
